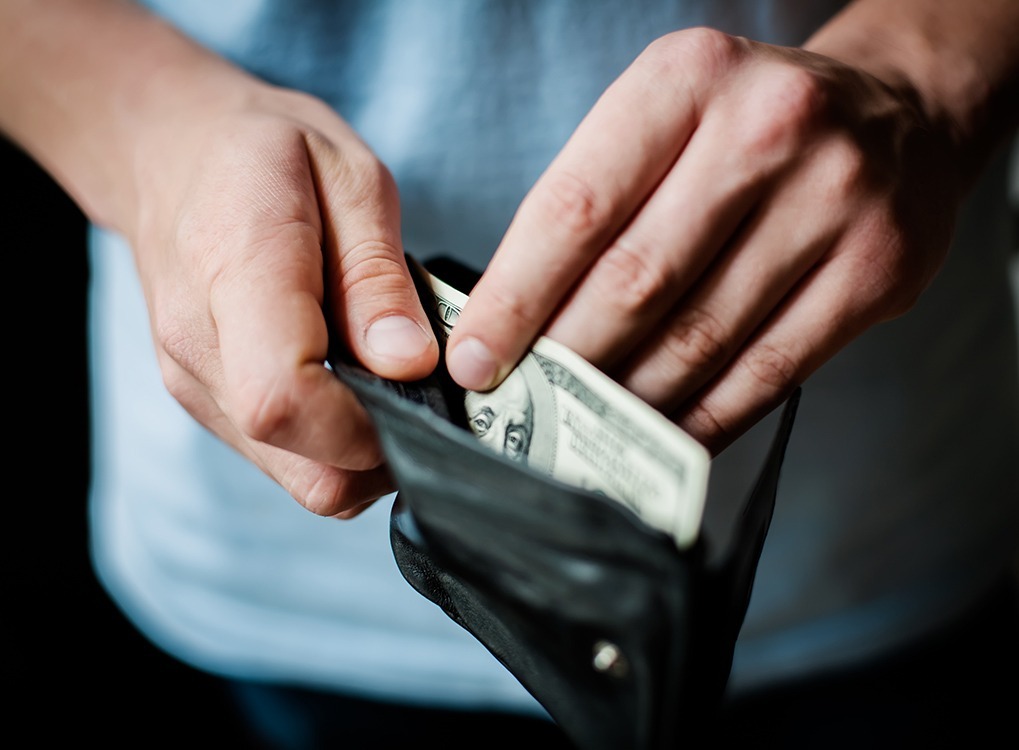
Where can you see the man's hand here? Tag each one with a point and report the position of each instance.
(253, 223)
(261, 225)
(728, 216)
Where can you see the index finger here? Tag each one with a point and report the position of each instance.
(588, 193)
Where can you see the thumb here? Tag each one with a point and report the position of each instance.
(372, 298)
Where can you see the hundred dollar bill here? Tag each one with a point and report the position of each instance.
(560, 415)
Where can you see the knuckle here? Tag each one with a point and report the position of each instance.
(770, 367)
(321, 490)
(801, 93)
(846, 168)
(374, 263)
(631, 276)
(327, 491)
(520, 309)
(264, 411)
(569, 202)
(269, 407)
(713, 45)
(358, 170)
(695, 342)
(698, 49)
(890, 280)
(796, 101)
(706, 427)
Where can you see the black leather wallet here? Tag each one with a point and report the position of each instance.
(625, 639)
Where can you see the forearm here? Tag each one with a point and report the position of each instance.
(960, 60)
(81, 80)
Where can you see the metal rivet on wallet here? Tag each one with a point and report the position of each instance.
(608, 659)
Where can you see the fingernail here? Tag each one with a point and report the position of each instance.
(396, 337)
(472, 365)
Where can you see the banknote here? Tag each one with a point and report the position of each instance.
(561, 416)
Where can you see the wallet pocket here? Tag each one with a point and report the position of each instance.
(625, 639)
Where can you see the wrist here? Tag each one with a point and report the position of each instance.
(955, 63)
(82, 83)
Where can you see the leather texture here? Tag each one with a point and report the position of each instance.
(626, 640)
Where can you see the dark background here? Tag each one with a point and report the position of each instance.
(80, 669)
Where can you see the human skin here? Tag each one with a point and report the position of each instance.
(726, 246)
(765, 207)
(249, 209)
